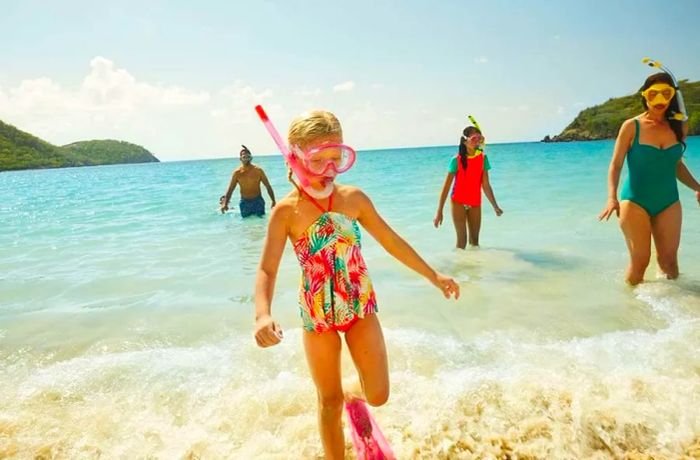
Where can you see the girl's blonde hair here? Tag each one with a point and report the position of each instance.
(313, 125)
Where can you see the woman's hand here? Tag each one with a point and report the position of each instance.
(612, 206)
(447, 285)
(497, 210)
(697, 196)
(267, 332)
(438, 219)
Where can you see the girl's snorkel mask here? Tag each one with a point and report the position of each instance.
(664, 93)
(480, 148)
(324, 161)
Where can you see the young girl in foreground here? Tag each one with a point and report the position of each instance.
(470, 172)
(336, 295)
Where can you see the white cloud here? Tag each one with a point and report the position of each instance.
(109, 102)
(481, 60)
(510, 108)
(308, 92)
(344, 87)
(108, 87)
(105, 89)
(238, 101)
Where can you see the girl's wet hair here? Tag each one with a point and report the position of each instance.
(313, 125)
(676, 125)
(468, 131)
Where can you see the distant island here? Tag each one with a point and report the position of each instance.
(20, 150)
(603, 121)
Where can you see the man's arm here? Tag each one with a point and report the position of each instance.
(229, 191)
(267, 185)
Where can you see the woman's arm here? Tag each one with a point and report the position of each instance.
(686, 177)
(268, 332)
(398, 247)
(488, 191)
(622, 146)
(443, 197)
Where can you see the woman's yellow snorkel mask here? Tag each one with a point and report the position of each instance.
(659, 93)
(662, 93)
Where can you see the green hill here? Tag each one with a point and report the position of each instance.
(603, 121)
(20, 150)
(109, 152)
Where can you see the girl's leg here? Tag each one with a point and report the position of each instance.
(666, 230)
(459, 218)
(636, 226)
(366, 344)
(474, 224)
(323, 356)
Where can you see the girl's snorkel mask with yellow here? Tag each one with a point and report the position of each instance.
(662, 93)
(480, 148)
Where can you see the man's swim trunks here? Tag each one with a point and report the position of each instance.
(252, 207)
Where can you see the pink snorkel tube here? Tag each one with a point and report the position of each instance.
(291, 159)
(367, 438)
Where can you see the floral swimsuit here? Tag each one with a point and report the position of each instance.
(335, 287)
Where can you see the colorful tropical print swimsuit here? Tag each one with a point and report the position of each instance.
(335, 287)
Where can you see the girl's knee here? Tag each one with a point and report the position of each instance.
(461, 241)
(330, 403)
(377, 396)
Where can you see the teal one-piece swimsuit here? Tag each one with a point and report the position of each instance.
(651, 175)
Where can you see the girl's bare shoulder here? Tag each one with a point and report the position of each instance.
(286, 206)
(349, 190)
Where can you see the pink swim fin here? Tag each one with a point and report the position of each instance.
(367, 438)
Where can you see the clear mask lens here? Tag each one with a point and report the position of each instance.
(335, 158)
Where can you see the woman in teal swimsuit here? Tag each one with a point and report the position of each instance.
(653, 143)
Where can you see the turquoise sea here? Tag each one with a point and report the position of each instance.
(126, 316)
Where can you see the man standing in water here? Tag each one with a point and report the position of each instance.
(249, 177)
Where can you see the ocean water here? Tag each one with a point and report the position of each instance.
(126, 314)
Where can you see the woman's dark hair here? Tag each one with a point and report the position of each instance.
(468, 131)
(676, 125)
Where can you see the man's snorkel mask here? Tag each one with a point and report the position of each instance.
(324, 161)
(662, 93)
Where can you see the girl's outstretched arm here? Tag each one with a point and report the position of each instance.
(398, 247)
(488, 191)
(267, 331)
(443, 197)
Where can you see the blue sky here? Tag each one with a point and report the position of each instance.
(181, 79)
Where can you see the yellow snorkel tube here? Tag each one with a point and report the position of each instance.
(683, 114)
(476, 125)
